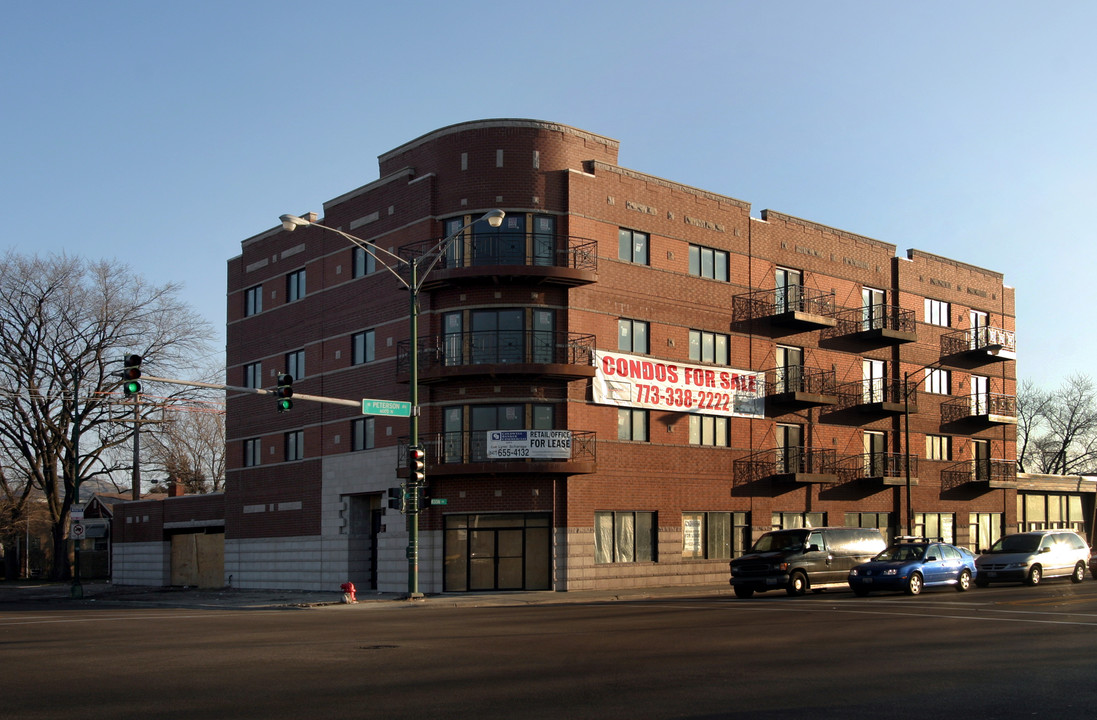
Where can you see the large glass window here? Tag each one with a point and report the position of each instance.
(295, 445)
(934, 526)
(1051, 511)
(624, 537)
(938, 447)
(251, 452)
(793, 520)
(253, 375)
(707, 262)
(632, 246)
(789, 290)
(714, 535)
(938, 381)
(362, 434)
(879, 520)
(984, 530)
(295, 364)
(872, 308)
(363, 263)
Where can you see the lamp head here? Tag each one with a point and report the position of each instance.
(289, 222)
(494, 217)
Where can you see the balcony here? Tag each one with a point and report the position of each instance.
(800, 387)
(876, 395)
(468, 453)
(500, 352)
(503, 257)
(996, 474)
(889, 323)
(795, 307)
(989, 409)
(796, 464)
(982, 344)
(885, 468)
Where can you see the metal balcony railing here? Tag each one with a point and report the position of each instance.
(876, 391)
(769, 303)
(498, 347)
(464, 447)
(503, 248)
(982, 339)
(875, 465)
(871, 318)
(794, 460)
(800, 379)
(975, 406)
(1002, 473)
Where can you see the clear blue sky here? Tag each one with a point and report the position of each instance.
(163, 134)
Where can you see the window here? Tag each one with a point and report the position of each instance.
(875, 457)
(251, 452)
(790, 521)
(709, 430)
(934, 526)
(632, 425)
(510, 416)
(362, 348)
(789, 374)
(789, 290)
(295, 285)
(621, 537)
(873, 380)
(362, 263)
(879, 520)
(938, 381)
(938, 447)
(708, 263)
(790, 448)
(253, 375)
(984, 529)
(714, 535)
(632, 336)
(295, 364)
(937, 313)
(253, 301)
(632, 246)
(361, 434)
(872, 309)
(1050, 512)
(709, 347)
(295, 445)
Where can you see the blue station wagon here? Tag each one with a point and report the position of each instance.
(911, 566)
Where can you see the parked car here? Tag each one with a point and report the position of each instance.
(911, 566)
(1029, 557)
(803, 559)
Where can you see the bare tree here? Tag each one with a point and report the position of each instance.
(65, 324)
(1057, 431)
(189, 445)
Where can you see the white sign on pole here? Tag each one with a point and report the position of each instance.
(539, 444)
(76, 530)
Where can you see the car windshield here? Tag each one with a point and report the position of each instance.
(1016, 544)
(779, 541)
(901, 552)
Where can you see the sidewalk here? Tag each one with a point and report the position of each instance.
(103, 594)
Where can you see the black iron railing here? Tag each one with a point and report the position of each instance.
(978, 406)
(800, 379)
(875, 317)
(471, 446)
(503, 248)
(793, 298)
(784, 461)
(979, 339)
(874, 465)
(979, 470)
(875, 390)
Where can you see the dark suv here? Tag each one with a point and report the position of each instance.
(803, 559)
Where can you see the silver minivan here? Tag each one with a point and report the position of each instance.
(1029, 557)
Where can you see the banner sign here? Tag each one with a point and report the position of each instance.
(540, 444)
(641, 382)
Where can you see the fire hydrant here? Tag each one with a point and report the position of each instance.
(348, 592)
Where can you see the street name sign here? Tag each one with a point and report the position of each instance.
(386, 407)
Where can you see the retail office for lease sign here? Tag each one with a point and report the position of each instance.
(643, 382)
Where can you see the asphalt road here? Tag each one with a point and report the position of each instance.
(1003, 652)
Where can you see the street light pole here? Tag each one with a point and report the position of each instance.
(414, 283)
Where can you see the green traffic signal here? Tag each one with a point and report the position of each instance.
(284, 404)
(131, 387)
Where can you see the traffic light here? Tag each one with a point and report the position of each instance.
(417, 466)
(130, 374)
(284, 392)
(396, 498)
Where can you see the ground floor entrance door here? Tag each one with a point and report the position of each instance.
(510, 551)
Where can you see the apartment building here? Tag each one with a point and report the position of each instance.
(695, 376)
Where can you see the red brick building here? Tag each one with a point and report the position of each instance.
(713, 375)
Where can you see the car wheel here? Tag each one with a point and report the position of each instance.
(981, 582)
(1035, 575)
(963, 583)
(1079, 573)
(744, 592)
(860, 591)
(797, 584)
(914, 584)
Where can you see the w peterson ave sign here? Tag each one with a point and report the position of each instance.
(642, 382)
